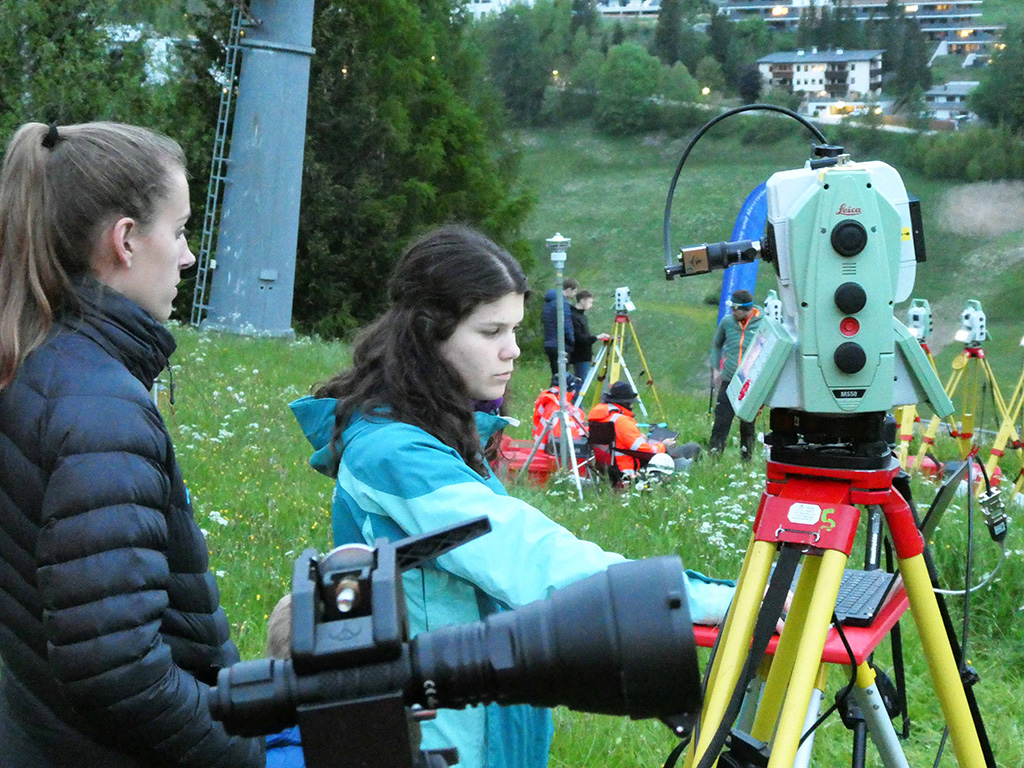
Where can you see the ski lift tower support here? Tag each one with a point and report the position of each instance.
(254, 280)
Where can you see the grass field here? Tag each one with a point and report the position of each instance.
(246, 461)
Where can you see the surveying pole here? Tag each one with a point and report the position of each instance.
(558, 245)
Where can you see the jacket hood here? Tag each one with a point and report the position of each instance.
(316, 418)
(551, 294)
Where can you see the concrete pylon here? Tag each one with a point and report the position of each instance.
(254, 279)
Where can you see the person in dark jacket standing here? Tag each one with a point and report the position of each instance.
(583, 343)
(549, 317)
(734, 335)
(110, 622)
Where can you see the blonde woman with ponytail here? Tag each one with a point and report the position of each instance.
(110, 623)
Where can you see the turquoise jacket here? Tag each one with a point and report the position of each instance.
(731, 340)
(396, 480)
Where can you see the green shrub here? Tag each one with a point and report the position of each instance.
(682, 119)
(767, 130)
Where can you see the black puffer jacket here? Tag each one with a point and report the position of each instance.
(110, 625)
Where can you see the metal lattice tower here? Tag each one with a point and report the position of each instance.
(253, 273)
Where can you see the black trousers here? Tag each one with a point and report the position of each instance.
(553, 359)
(724, 414)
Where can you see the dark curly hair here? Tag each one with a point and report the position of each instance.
(397, 364)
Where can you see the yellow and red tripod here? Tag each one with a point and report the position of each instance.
(610, 364)
(1008, 435)
(810, 509)
(907, 416)
(970, 367)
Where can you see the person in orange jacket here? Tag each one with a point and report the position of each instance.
(547, 404)
(616, 406)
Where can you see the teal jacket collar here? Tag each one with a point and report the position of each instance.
(316, 417)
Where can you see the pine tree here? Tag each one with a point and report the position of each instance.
(517, 65)
(392, 148)
(667, 31)
(58, 62)
(999, 98)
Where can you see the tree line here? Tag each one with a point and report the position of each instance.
(411, 101)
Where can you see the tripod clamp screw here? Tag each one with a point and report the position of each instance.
(969, 676)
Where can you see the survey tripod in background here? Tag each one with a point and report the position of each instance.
(1009, 436)
(919, 323)
(971, 369)
(610, 363)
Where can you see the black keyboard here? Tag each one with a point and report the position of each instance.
(861, 595)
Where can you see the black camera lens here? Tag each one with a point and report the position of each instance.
(849, 237)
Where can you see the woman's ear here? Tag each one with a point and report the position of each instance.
(113, 252)
(121, 234)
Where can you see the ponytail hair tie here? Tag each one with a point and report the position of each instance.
(52, 137)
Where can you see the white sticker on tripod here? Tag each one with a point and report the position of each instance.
(804, 514)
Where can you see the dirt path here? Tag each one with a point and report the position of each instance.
(985, 209)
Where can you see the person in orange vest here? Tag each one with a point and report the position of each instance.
(735, 334)
(616, 406)
(547, 404)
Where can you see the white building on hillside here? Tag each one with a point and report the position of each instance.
(949, 101)
(958, 20)
(609, 8)
(837, 74)
(483, 7)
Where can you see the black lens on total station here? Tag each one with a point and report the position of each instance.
(849, 237)
(850, 357)
(850, 298)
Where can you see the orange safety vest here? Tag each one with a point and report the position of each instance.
(627, 434)
(547, 404)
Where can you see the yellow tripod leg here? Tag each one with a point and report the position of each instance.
(807, 660)
(616, 355)
(731, 618)
(933, 425)
(647, 370)
(997, 395)
(928, 438)
(733, 645)
(972, 386)
(907, 417)
(1008, 429)
(609, 357)
(939, 655)
(785, 652)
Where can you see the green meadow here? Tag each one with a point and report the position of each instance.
(260, 504)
